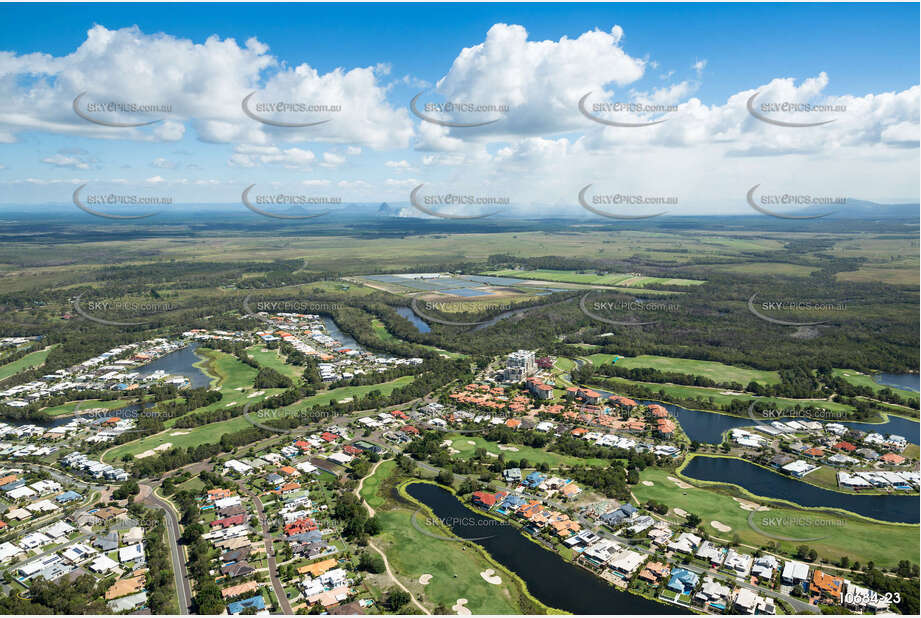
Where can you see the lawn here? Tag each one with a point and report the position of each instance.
(717, 372)
(533, 455)
(859, 539)
(272, 359)
(455, 569)
(861, 379)
(68, 408)
(29, 361)
(592, 278)
(212, 432)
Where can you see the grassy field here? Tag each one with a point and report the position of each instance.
(861, 379)
(29, 361)
(212, 432)
(455, 569)
(718, 372)
(858, 539)
(533, 455)
(592, 278)
(273, 359)
(68, 408)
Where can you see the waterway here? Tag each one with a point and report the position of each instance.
(769, 484)
(901, 381)
(345, 341)
(549, 578)
(420, 324)
(182, 363)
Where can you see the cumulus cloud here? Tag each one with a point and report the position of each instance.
(189, 84)
(63, 160)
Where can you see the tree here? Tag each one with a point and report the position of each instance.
(692, 520)
(397, 598)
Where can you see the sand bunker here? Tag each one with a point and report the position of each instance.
(179, 433)
(495, 455)
(453, 451)
(745, 505)
(153, 451)
(648, 483)
(425, 579)
(164, 446)
(720, 526)
(147, 453)
(256, 394)
(490, 576)
(447, 443)
(460, 609)
(679, 482)
(471, 442)
(680, 512)
(503, 447)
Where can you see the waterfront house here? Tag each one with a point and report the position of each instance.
(683, 581)
(654, 572)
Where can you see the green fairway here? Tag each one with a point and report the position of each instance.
(461, 443)
(717, 372)
(68, 408)
(273, 359)
(29, 361)
(859, 539)
(592, 278)
(861, 379)
(212, 432)
(454, 567)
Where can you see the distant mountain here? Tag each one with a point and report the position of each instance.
(859, 209)
(386, 210)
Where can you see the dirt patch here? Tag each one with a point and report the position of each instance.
(720, 526)
(681, 484)
(490, 576)
(425, 579)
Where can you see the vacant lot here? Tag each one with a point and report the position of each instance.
(718, 372)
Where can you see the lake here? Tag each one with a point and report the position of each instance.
(181, 363)
(902, 381)
(761, 482)
(549, 578)
(333, 330)
(420, 324)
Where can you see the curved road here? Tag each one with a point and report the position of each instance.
(269, 552)
(183, 588)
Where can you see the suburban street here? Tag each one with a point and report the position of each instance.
(269, 552)
(181, 574)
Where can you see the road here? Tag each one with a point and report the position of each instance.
(280, 593)
(183, 587)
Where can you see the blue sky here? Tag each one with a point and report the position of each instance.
(703, 58)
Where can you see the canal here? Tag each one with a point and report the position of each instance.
(549, 578)
(181, 363)
(761, 482)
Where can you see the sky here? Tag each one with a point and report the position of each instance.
(685, 73)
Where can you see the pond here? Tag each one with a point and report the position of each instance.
(549, 578)
(902, 381)
(761, 482)
(181, 363)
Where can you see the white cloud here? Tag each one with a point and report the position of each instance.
(699, 67)
(61, 160)
(163, 163)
